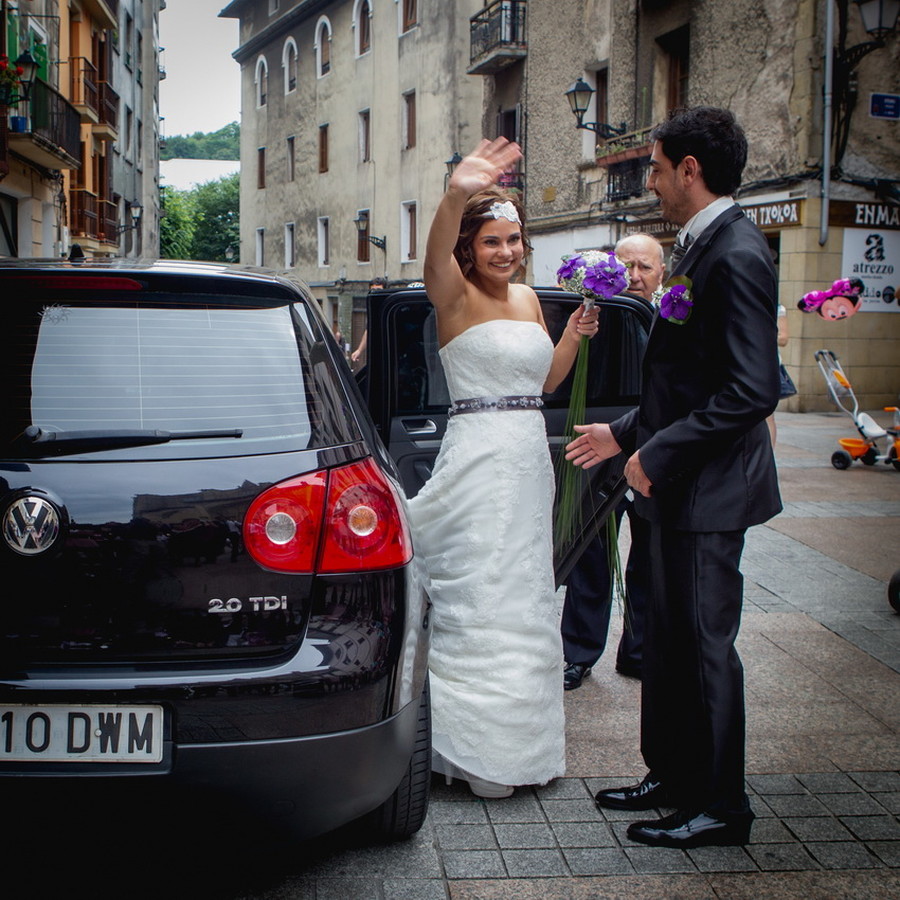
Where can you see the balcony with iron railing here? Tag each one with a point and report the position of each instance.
(625, 158)
(84, 220)
(108, 221)
(51, 135)
(84, 92)
(107, 128)
(497, 37)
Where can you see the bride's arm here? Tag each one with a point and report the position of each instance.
(444, 280)
(580, 323)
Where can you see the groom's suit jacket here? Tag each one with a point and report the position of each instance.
(708, 386)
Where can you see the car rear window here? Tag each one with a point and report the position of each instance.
(180, 365)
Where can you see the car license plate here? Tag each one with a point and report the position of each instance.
(84, 733)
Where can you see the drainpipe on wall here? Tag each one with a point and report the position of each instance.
(826, 122)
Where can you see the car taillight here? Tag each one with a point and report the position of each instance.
(344, 520)
(283, 525)
(365, 524)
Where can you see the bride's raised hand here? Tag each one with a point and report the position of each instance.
(484, 165)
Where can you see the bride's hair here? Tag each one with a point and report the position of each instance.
(476, 213)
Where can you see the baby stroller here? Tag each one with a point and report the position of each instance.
(866, 447)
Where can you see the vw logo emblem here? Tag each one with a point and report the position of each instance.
(30, 525)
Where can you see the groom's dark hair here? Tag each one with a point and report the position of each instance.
(711, 135)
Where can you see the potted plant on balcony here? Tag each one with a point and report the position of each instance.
(10, 82)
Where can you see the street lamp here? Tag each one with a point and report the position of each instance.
(362, 226)
(136, 211)
(579, 96)
(453, 162)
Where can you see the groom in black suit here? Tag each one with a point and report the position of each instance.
(700, 463)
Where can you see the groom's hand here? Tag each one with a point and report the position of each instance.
(636, 476)
(594, 444)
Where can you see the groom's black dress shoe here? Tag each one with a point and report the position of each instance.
(685, 829)
(649, 794)
(574, 674)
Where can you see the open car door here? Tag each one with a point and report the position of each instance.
(407, 394)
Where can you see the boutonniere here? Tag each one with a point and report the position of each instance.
(674, 300)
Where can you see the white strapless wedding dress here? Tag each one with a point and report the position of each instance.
(482, 526)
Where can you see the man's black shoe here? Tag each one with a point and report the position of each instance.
(690, 829)
(649, 794)
(574, 674)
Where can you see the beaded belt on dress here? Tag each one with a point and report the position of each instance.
(493, 404)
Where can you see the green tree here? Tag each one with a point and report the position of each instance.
(177, 223)
(217, 220)
(222, 144)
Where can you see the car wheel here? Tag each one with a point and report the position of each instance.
(870, 457)
(402, 814)
(841, 459)
(894, 591)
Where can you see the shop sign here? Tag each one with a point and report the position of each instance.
(863, 215)
(874, 256)
(774, 215)
(659, 228)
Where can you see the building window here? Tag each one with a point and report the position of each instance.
(289, 64)
(362, 23)
(289, 245)
(410, 14)
(129, 127)
(291, 159)
(408, 230)
(365, 136)
(676, 57)
(262, 81)
(409, 120)
(323, 47)
(260, 246)
(273, 7)
(362, 243)
(323, 148)
(260, 167)
(324, 241)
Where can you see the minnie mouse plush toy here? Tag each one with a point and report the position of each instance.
(840, 301)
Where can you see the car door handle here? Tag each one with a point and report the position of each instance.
(418, 427)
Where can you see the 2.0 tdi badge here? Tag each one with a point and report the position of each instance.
(31, 525)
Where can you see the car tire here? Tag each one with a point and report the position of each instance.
(894, 591)
(403, 813)
(841, 459)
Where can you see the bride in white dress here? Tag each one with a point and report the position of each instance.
(481, 524)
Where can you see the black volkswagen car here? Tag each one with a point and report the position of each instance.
(210, 577)
(206, 558)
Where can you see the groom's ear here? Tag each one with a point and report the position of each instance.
(691, 169)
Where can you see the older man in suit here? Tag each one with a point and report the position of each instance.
(701, 465)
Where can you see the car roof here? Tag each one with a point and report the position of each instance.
(159, 273)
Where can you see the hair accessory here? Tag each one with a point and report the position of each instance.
(503, 210)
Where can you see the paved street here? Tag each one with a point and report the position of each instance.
(821, 649)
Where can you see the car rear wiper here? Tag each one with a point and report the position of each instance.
(35, 441)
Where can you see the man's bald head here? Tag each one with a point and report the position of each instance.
(645, 258)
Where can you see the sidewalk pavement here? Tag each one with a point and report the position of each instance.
(821, 650)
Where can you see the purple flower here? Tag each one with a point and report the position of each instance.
(606, 279)
(569, 268)
(675, 304)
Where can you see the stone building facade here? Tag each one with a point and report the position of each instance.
(350, 110)
(80, 157)
(765, 61)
